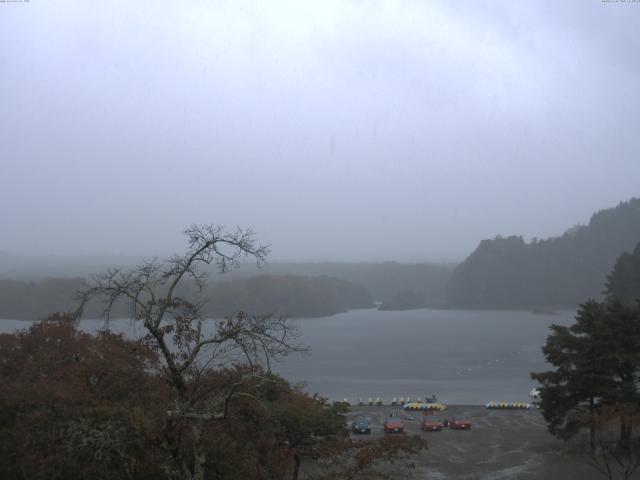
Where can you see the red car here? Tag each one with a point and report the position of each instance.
(460, 423)
(431, 423)
(393, 425)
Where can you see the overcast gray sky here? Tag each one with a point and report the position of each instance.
(338, 130)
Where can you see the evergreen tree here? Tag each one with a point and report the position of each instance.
(623, 283)
(571, 394)
(597, 364)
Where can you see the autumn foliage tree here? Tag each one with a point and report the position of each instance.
(74, 405)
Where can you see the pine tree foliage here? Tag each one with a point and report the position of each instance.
(623, 283)
(597, 367)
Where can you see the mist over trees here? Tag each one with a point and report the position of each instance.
(292, 289)
(508, 272)
(32, 300)
(288, 295)
(384, 281)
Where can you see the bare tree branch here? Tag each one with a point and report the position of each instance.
(189, 343)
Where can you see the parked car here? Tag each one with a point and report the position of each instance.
(393, 425)
(431, 423)
(460, 423)
(360, 424)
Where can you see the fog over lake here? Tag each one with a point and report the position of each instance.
(462, 356)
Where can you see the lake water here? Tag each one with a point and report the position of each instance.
(462, 356)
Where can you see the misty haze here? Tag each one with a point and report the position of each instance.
(319, 240)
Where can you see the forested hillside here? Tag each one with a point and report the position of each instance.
(556, 272)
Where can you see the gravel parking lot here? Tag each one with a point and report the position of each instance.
(502, 444)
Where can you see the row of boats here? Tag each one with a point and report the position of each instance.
(431, 403)
(508, 405)
(428, 401)
(424, 406)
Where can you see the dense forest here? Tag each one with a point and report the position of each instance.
(286, 295)
(556, 272)
(387, 282)
(383, 280)
(33, 300)
(295, 289)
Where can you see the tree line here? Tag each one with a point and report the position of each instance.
(286, 295)
(505, 272)
(29, 292)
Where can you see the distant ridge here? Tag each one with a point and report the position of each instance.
(35, 267)
(507, 272)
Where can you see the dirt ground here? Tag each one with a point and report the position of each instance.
(502, 444)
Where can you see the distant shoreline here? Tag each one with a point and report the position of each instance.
(556, 311)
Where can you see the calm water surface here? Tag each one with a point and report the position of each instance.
(462, 356)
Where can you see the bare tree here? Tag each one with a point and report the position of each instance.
(606, 452)
(190, 344)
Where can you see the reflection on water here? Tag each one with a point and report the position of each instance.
(462, 356)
